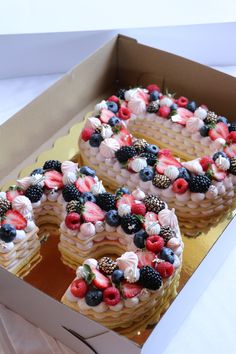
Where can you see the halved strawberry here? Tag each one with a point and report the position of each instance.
(230, 150)
(231, 138)
(13, 192)
(145, 258)
(84, 184)
(219, 131)
(165, 152)
(14, 218)
(92, 212)
(53, 179)
(206, 162)
(130, 290)
(125, 199)
(183, 115)
(217, 174)
(123, 136)
(100, 281)
(106, 115)
(165, 161)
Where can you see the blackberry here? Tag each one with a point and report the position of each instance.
(211, 118)
(70, 192)
(232, 127)
(232, 168)
(140, 145)
(199, 184)
(52, 165)
(125, 153)
(37, 171)
(153, 203)
(150, 278)
(153, 107)
(167, 233)
(161, 181)
(5, 205)
(106, 201)
(106, 265)
(74, 206)
(34, 193)
(151, 158)
(121, 93)
(130, 224)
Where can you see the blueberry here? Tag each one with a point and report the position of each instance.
(146, 174)
(139, 238)
(167, 254)
(218, 154)
(122, 190)
(117, 276)
(114, 121)
(222, 119)
(191, 106)
(89, 197)
(94, 297)
(112, 106)
(7, 233)
(204, 130)
(174, 106)
(39, 171)
(95, 140)
(112, 218)
(184, 173)
(152, 148)
(154, 95)
(85, 170)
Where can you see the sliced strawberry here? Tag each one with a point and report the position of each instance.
(106, 115)
(125, 199)
(130, 290)
(165, 161)
(220, 131)
(145, 258)
(13, 192)
(100, 281)
(230, 150)
(84, 184)
(206, 162)
(182, 116)
(53, 180)
(123, 136)
(165, 152)
(92, 212)
(231, 138)
(14, 218)
(217, 174)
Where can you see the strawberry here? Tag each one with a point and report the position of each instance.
(230, 150)
(124, 113)
(164, 111)
(138, 209)
(53, 179)
(92, 212)
(166, 269)
(180, 186)
(219, 131)
(206, 162)
(122, 135)
(231, 138)
(13, 192)
(114, 98)
(217, 174)
(183, 115)
(79, 288)
(130, 290)
(72, 221)
(165, 161)
(154, 243)
(87, 133)
(100, 281)
(182, 101)
(14, 218)
(125, 199)
(111, 296)
(106, 115)
(165, 152)
(84, 184)
(145, 258)
(153, 87)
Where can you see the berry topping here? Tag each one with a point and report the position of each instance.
(113, 218)
(5, 205)
(92, 212)
(168, 255)
(218, 154)
(13, 192)
(223, 120)
(74, 206)
(154, 243)
(183, 115)
(121, 93)
(111, 296)
(211, 118)
(182, 101)
(232, 168)
(167, 233)
(154, 203)
(95, 140)
(232, 127)
(146, 174)
(206, 162)
(100, 281)
(216, 173)
(161, 181)
(72, 221)
(88, 197)
(93, 297)
(53, 179)
(117, 276)
(199, 184)
(106, 201)
(180, 186)
(164, 161)
(114, 98)
(153, 107)
(87, 133)
(37, 171)
(130, 290)
(230, 150)
(125, 199)
(153, 87)
(70, 192)
(153, 149)
(164, 111)
(112, 106)
(145, 258)
(106, 265)
(154, 95)
(140, 238)
(52, 165)
(7, 233)
(165, 269)
(140, 145)
(125, 153)
(122, 190)
(34, 193)
(14, 218)
(204, 130)
(150, 278)
(183, 173)
(88, 171)
(79, 288)
(231, 138)
(138, 209)
(151, 158)
(106, 115)
(124, 113)
(219, 131)
(130, 224)
(114, 121)
(84, 184)
(191, 106)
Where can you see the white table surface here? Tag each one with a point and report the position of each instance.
(208, 329)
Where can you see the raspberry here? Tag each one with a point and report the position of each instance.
(166, 269)
(72, 221)
(231, 138)
(154, 243)
(111, 296)
(114, 99)
(153, 87)
(180, 186)
(79, 288)
(124, 113)
(164, 111)
(138, 209)
(206, 162)
(87, 133)
(182, 101)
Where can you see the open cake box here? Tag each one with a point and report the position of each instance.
(44, 123)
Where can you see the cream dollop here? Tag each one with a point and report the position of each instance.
(193, 124)
(193, 166)
(69, 166)
(99, 106)
(137, 164)
(212, 192)
(153, 228)
(100, 226)
(137, 106)
(53, 195)
(69, 178)
(20, 235)
(167, 217)
(6, 247)
(98, 188)
(106, 131)
(22, 204)
(172, 172)
(200, 113)
(222, 163)
(132, 274)
(138, 194)
(93, 123)
(108, 147)
(124, 209)
(87, 229)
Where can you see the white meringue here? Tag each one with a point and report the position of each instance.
(98, 188)
(153, 228)
(22, 204)
(69, 178)
(137, 164)
(69, 166)
(193, 166)
(124, 209)
(108, 147)
(138, 194)
(106, 131)
(172, 172)
(222, 163)
(99, 106)
(137, 106)
(200, 113)
(93, 123)
(167, 217)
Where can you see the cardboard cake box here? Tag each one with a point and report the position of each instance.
(121, 62)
